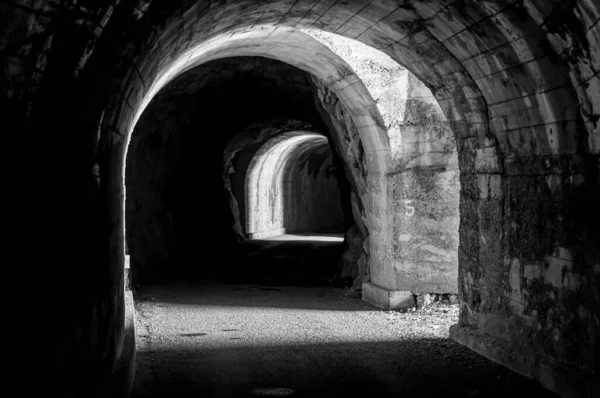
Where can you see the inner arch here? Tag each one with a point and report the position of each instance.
(290, 188)
(295, 48)
(329, 70)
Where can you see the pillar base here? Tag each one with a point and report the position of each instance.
(387, 299)
(556, 376)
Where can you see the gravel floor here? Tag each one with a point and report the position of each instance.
(236, 340)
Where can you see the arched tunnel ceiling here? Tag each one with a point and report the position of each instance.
(387, 83)
(246, 74)
(286, 146)
(433, 40)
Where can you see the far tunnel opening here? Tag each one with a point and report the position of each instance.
(292, 187)
(285, 195)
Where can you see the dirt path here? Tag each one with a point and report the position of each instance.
(250, 340)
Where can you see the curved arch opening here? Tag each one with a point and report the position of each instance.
(291, 187)
(420, 174)
(368, 150)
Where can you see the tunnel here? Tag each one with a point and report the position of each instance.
(291, 187)
(466, 165)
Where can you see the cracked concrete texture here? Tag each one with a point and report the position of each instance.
(385, 79)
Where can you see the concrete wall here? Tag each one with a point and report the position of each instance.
(426, 196)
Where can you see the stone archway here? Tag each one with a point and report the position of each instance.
(369, 146)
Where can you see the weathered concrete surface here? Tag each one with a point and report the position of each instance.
(385, 79)
(426, 234)
(424, 184)
(426, 188)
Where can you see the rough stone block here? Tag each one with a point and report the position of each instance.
(388, 299)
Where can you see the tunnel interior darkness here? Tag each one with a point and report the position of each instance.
(180, 190)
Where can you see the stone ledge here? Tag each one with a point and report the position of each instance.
(556, 376)
(388, 299)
